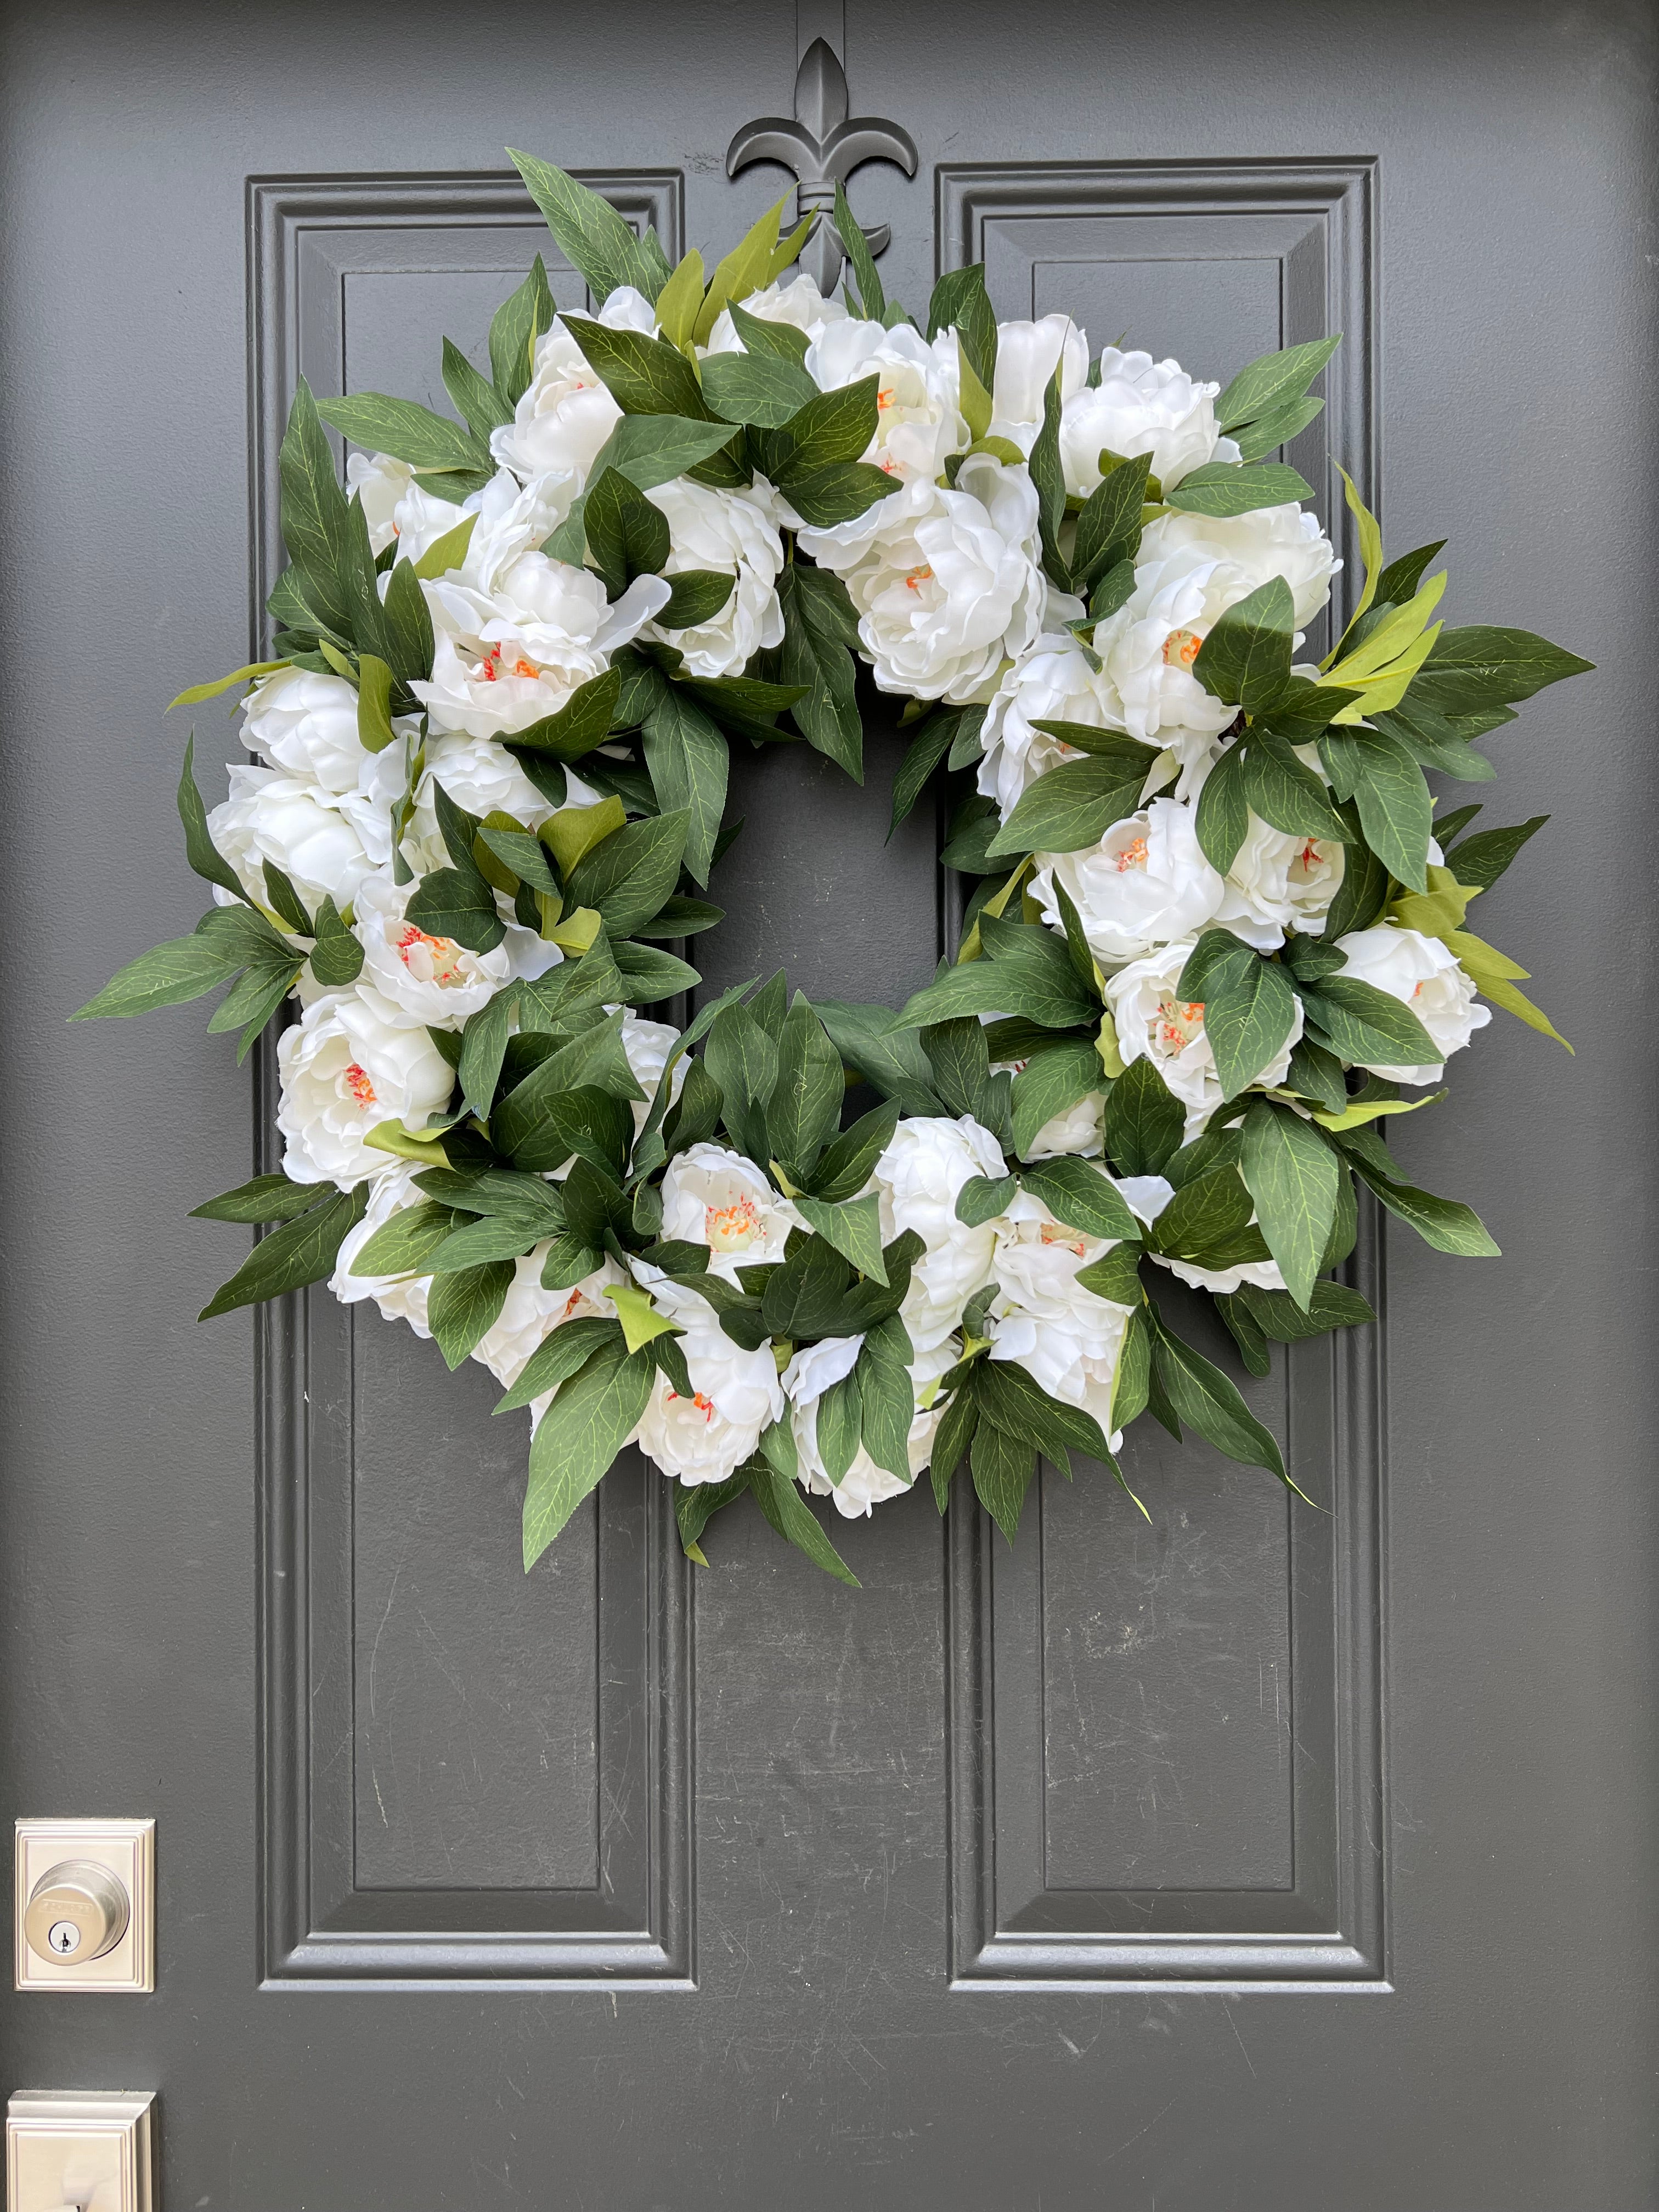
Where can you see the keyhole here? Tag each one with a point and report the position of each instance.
(63, 1936)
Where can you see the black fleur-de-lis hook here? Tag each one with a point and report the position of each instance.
(822, 148)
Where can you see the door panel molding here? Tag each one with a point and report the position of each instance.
(1299, 238)
(309, 238)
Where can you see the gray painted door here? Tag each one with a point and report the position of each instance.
(1251, 1859)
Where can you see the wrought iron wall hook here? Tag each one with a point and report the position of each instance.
(821, 148)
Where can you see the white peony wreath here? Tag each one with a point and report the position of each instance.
(1220, 930)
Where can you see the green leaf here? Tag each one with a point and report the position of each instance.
(461, 1307)
(1115, 1276)
(1332, 1305)
(696, 596)
(1049, 481)
(650, 976)
(267, 1197)
(1003, 1466)
(1483, 666)
(337, 957)
(201, 851)
(1273, 382)
(761, 335)
(168, 975)
(846, 1164)
(1018, 1405)
(747, 268)
(1285, 793)
(1482, 860)
(887, 1397)
(761, 388)
(853, 1228)
(744, 703)
(579, 1436)
(838, 1426)
(833, 429)
(1048, 1084)
(404, 1244)
(961, 302)
(1317, 1074)
(873, 299)
(816, 658)
(314, 516)
(1397, 812)
(1368, 1026)
(1201, 1394)
(1292, 1174)
(779, 1499)
(251, 671)
(477, 402)
(1249, 1009)
(627, 536)
(1077, 1193)
(932, 742)
(409, 432)
(1223, 820)
(564, 1352)
(1220, 488)
(581, 724)
(457, 903)
(837, 492)
(592, 237)
(952, 1437)
(883, 1049)
(982, 1198)
(1269, 432)
(1399, 580)
(1443, 1223)
(644, 375)
(653, 449)
(1071, 807)
(804, 1107)
(627, 876)
(1144, 1120)
(742, 1059)
(484, 1046)
(695, 1508)
(516, 324)
(1246, 659)
(303, 1250)
(1108, 528)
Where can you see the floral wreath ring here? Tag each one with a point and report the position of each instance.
(1218, 936)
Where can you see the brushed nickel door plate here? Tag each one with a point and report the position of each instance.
(69, 2151)
(84, 1906)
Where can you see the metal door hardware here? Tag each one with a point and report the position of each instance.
(84, 1912)
(70, 2151)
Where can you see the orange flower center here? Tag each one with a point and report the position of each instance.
(446, 954)
(358, 1085)
(1056, 1232)
(1181, 648)
(731, 1228)
(1178, 1024)
(1133, 855)
(704, 1405)
(917, 576)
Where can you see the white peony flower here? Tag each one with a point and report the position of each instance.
(727, 530)
(529, 1316)
(1279, 881)
(735, 1395)
(1053, 682)
(945, 583)
(1027, 355)
(1423, 974)
(718, 1197)
(566, 413)
(1068, 1340)
(918, 1179)
(379, 483)
(1145, 882)
(798, 303)
(1270, 541)
(483, 778)
(431, 979)
(920, 421)
(1153, 1024)
(865, 1484)
(306, 725)
(1141, 406)
(351, 1061)
(324, 841)
(400, 1297)
(545, 631)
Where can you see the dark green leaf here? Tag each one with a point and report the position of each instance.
(267, 1197)
(592, 237)
(627, 876)
(847, 1165)
(1072, 807)
(1144, 1120)
(578, 1437)
(1003, 1466)
(1483, 858)
(1285, 792)
(516, 324)
(1246, 659)
(982, 1198)
(1444, 1223)
(688, 766)
(1078, 1193)
(1379, 774)
(1363, 1025)
(303, 1250)
(1108, 528)
(1224, 811)
(1292, 1174)
(1273, 380)
(1220, 489)
(381, 424)
(1201, 1394)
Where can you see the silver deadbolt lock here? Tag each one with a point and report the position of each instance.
(77, 1910)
